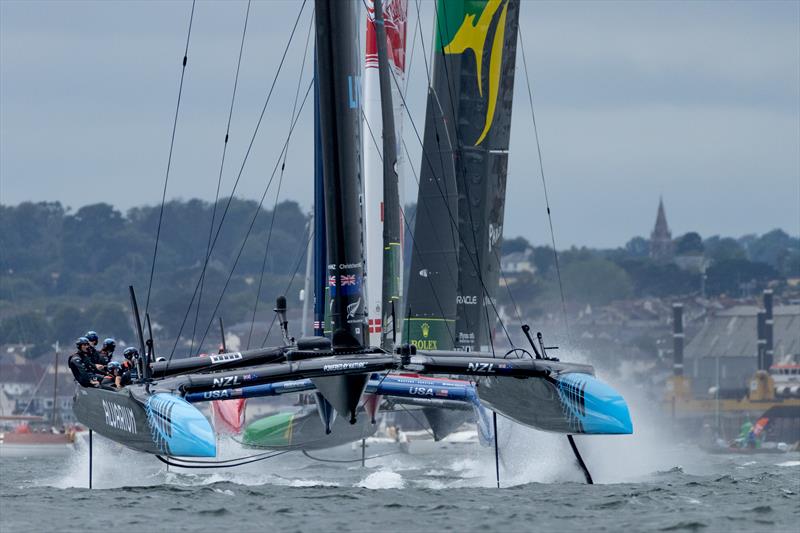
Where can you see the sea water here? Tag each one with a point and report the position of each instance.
(666, 488)
(647, 481)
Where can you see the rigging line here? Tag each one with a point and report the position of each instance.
(417, 420)
(453, 224)
(223, 461)
(36, 389)
(321, 460)
(255, 216)
(450, 214)
(23, 330)
(422, 42)
(453, 150)
(408, 155)
(278, 193)
(169, 158)
(494, 414)
(544, 186)
(241, 170)
(380, 155)
(460, 150)
(303, 251)
(219, 178)
(508, 288)
(210, 464)
(441, 161)
(428, 68)
(411, 57)
(435, 96)
(266, 254)
(194, 294)
(411, 230)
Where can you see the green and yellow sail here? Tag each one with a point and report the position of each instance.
(459, 217)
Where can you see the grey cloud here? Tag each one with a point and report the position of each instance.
(696, 101)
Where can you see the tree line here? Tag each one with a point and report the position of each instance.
(713, 267)
(63, 271)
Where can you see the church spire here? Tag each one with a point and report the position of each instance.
(661, 237)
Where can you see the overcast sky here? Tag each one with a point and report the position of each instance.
(698, 102)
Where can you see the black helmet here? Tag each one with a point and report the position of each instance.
(114, 366)
(92, 336)
(130, 352)
(109, 344)
(81, 341)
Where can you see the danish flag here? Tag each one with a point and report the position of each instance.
(375, 325)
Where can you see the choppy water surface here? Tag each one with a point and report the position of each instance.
(637, 489)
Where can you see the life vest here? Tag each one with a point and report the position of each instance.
(82, 368)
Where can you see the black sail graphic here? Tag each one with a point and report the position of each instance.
(465, 156)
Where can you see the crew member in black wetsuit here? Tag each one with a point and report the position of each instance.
(93, 352)
(130, 363)
(117, 375)
(107, 351)
(81, 364)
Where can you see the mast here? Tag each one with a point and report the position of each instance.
(320, 255)
(339, 113)
(379, 307)
(339, 120)
(54, 418)
(391, 195)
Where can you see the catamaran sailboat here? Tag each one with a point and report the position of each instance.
(454, 271)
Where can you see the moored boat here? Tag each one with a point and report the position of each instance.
(24, 442)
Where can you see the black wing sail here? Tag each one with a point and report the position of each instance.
(433, 279)
(339, 84)
(480, 42)
(459, 225)
(339, 98)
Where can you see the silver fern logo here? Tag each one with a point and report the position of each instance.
(352, 308)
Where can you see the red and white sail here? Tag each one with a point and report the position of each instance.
(228, 416)
(395, 16)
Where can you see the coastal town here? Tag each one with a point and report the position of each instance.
(733, 326)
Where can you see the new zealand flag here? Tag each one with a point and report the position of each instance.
(349, 283)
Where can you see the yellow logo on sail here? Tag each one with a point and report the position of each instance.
(471, 35)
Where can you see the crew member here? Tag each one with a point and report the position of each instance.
(93, 352)
(130, 363)
(107, 351)
(117, 375)
(81, 364)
